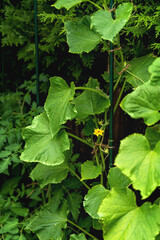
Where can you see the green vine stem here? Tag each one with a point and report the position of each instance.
(135, 76)
(81, 140)
(43, 197)
(117, 82)
(100, 92)
(75, 174)
(97, 6)
(81, 229)
(49, 192)
(119, 97)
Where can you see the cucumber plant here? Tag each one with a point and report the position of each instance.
(83, 200)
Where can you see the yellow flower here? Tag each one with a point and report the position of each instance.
(98, 132)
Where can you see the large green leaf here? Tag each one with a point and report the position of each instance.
(106, 25)
(138, 69)
(124, 220)
(80, 37)
(89, 102)
(49, 174)
(59, 105)
(143, 103)
(117, 179)
(140, 163)
(93, 200)
(41, 146)
(66, 3)
(154, 70)
(89, 170)
(48, 224)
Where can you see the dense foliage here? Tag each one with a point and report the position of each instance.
(59, 185)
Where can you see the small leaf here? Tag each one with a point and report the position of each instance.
(49, 174)
(89, 127)
(89, 170)
(74, 203)
(117, 179)
(59, 106)
(89, 102)
(10, 227)
(93, 200)
(140, 163)
(4, 163)
(66, 3)
(80, 37)
(48, 224)
(124, 220)
(78, 237)
(41, 146)
(106, 25)
(23, 212)
(4, 154)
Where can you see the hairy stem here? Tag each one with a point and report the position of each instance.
(135, 76)
(81, 229)
(97, 6)
(100, 92)
(119, 97)
(75, 174)
(80, 139)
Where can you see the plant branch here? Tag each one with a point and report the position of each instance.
(119, 97)
(81, 229)
(80, 139)
(100, 92)
(135, 76)
(75, 174)
(96, 5)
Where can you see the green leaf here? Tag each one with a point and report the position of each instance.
(48, 174)
(9, 186)
(124, 220)
(74, 203)
(138, 69)
(144, 103)
(154, 70)
(89, 127)
(11, 226)
(89, 170)
(153, 135)
(106, 25)
(140, 163)
(4, 154)
(78, 237)
(93, 200)
(22, 237)
(48, 224)
(89, 102)
(66, 3)
(41, 146)
(80, 37)
(23, 212)
(117, 179)
(59, 106)
(4, 163)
